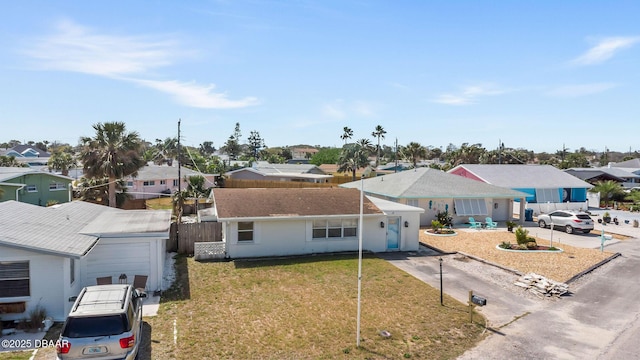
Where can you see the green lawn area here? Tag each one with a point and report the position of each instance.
(305, 308)
(16, 355)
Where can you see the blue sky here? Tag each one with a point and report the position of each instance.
(532, 74)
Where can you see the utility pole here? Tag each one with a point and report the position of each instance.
(179, 197)
(396, 167)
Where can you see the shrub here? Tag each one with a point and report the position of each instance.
(523, 238)
(505, 245)
(436, 225)
(444, 218)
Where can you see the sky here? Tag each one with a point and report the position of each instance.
(539, 75)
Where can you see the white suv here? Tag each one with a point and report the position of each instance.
(105, 322)
(568, 220)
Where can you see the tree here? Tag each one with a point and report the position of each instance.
(347, 134)
(413, 152)
(112, 153)
(61, 161)
(97, 190)
(607, 189)
(166, 151)
(256, 143)
(353, 157)
(10, 161)
(206, 148)
(232, 145)
(326, 156)
(378, 133)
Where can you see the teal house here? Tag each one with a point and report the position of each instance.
(34, 186)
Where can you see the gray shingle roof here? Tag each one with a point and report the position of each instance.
(161, 172)
(431, 183)
(524, 176)
(130, 222)
(8, 173)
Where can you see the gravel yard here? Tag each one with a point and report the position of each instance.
(558, 266)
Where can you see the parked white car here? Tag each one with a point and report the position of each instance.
(569, 221)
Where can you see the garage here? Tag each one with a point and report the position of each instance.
(113, 259)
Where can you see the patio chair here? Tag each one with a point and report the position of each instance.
(490, 223)
(140, 282)
(105, 280)
(474, 224)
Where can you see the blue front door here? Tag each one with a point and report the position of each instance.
(393, 233)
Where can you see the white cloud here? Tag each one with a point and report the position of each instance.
(334, 110)
(75, 48)
(580, 90)
(194, 95)
(469, 95)
(604, 50)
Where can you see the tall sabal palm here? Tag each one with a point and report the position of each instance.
(353, 157)
(112, 153)
(166, 151)
(378, 133)
(347, 134)
(414, 152)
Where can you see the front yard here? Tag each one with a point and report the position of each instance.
(304, 308)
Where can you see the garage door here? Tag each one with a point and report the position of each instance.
(113, 259)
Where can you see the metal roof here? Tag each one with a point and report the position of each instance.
(431, 183)
(130, 222)
(524, 176)
(161, 172)
(8, 173)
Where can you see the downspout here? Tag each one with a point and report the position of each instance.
(18, 189)
(70, 191)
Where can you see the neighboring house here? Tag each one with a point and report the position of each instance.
(28, 155)
(630, 166)
(594, 175)
(53, 252)
(154, 181)
(280, 172)
(303, 153)
(292, 221)
(437, 191)
(547, 187)
(34, 186)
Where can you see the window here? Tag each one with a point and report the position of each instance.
(245, 231)
(413, 202)
(547, 195)
(163, 182)
(467, 207)
(149, 183)
(175, 182)
(57, 186)
(32, 188)
(129, 183)
(14, 279)
(334, 228)
(72, 271)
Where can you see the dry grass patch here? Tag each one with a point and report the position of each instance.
(305, 308)
(559, 266)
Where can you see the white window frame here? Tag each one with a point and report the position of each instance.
(175, 182)
(413, 202)
(14, 271)
(57, 186)
(149, 183)
(163, 182)
(31, 188)
(246, 233)
(323, 229)
(470, 207)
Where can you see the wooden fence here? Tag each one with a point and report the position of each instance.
(192, 233)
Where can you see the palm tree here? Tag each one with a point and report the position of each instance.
(166, 151)
(112, 153)
(61, 161)
(414, 152)
(347, 134)
(607, 189)
(353, 157)
(97, 191)
(378, 133)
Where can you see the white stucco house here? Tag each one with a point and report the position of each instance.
(155, 181)
(49, 254)
(286, 221)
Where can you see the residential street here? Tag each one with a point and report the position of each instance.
(599, 320)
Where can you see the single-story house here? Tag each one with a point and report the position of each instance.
(34, 186)
(626, 178)
(28, 155)
(280, 172)
(437, 191)
(547, 187)
(297, 221)
(154, 181)
(48, 254)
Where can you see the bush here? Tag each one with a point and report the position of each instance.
(444, 218)
(523, 238)
(436, 225)
(505, 245)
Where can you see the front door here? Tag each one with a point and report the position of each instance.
(393, 233)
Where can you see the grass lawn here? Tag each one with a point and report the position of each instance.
(305, 308)
(16, 355)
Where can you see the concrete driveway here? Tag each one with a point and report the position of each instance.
(599, 320)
